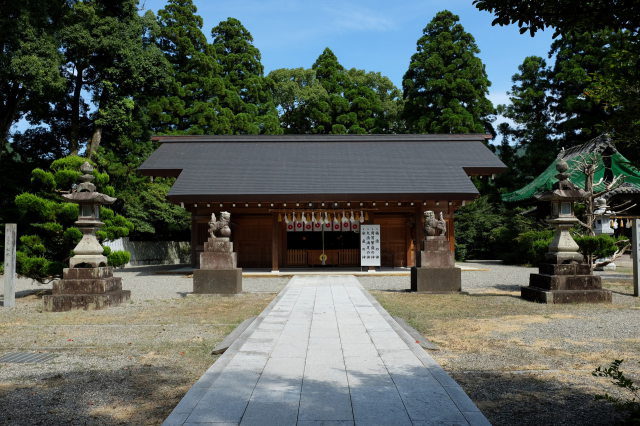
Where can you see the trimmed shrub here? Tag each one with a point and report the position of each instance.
(118, 258)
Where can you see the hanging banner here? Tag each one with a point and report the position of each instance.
(289, 223)
(308, 224)
(346, 225)
(337, 226)
(299, 224)
(328, 226)
(317, 222)
(355, 223)
(370, 245)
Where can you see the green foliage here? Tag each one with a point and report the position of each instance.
(42, 180)
(34, 208)
(595, 247)
(31, 60)
(528, 146)
(70, 163)
(488, 230)
(106, 250)
(115, 225)
(563, 15)
(631, 405)
(329, 99)
(118, 258)
(531, 247)
(247, 103)
(152, 216)
(446, 85)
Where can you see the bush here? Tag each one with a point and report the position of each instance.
(530, 247)
(118, 258)
(596, 247)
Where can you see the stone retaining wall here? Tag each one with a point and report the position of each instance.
(153, 252)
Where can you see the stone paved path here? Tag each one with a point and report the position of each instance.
(325, 353)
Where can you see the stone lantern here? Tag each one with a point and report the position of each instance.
(563, 195)
(563, 278)
(602, 218)
(88, 252)
(88, 283)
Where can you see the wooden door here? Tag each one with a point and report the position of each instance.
(252, 240)
(393, 239)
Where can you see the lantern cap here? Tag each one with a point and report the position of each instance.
(563, 189)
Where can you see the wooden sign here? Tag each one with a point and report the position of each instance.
(370, 245)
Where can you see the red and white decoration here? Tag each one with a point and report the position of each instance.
(323, 221)
(306, 220)
(346, 225)
(289, 223)
(328, 226)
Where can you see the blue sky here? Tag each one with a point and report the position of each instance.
(371, 35)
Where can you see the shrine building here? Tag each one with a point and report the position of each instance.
(293, 198)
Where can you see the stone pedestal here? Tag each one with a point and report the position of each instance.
(218, 273)
(565, 283)
(86, 288)
(436, 271)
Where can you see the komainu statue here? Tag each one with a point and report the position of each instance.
(220, 227)
(432, 226)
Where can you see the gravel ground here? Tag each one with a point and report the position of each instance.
(517, 360)
(166, 282)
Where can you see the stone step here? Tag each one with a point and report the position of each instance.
(87, 286)
(535, 294)
(566, 282)
(565, 269)
(66, 302)
(87, 273)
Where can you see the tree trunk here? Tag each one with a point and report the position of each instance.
(589, 204)
(96, 137)
(74, 136)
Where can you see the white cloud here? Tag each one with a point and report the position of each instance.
(353, 17)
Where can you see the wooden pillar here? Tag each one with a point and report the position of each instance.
(10, 235)
(419, 218)
(450, 229)
(275, 244)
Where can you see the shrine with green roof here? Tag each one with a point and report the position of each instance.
(610, 164)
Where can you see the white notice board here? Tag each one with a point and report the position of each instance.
(370, 245)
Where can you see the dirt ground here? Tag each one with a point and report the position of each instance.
(126, 365)
(526, 363)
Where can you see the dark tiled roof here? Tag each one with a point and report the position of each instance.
(221, 167)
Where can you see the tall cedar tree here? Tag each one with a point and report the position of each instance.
(331, 76)
(578, 57)
(330, 99)
(528, 145)
(446, 85)
(191, 103)
(247, 105)
(595, 83)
